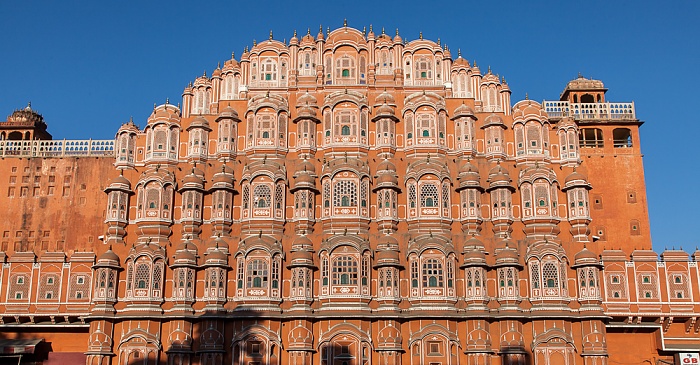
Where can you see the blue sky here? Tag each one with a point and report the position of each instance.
(88, 66)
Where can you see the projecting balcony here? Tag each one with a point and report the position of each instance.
(590, 111)
(62, 148)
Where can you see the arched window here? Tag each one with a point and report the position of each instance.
(345, 270)
(345, 193)
(257, 273)
(622, 138)
(433, 274)
(428, 195)
(262, 196)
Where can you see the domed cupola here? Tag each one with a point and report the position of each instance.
(507, 254)
(108, 259)
(223, 179)
(386, 176)
(185, 255)
(192, 181)
(586, 257)
(227, 113)
(576, 179)
(469, 177)
(301, 255)
(306, 108)
(304, 176)
(474, 253)
(119, 183)
(499, 178)
(463, 111)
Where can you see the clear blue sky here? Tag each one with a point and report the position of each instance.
(87, 66)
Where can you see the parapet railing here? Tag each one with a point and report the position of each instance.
(58, 148)
(590, 111)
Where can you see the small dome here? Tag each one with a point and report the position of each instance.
(387, 258)
(575, 179)
(582, 83)
(493, 120)
(119, 183)
(468, 176)
(224, 177)
(384, 110)
(387, 179)
(498, 176)
(460, 62)
(216, 257)
(109, 258)
(301, 258)
(184, 256)
(387, 241)
(507, 254)
(474, 257)
(307, 99)
(386, 165)
(463, 111)
(306, 166)
(473, 243)
(228, 113)
(302, 241)
(385, 98)
(585, 257)
(191, 180)
(199, 122)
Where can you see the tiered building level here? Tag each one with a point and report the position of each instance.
(345, 199)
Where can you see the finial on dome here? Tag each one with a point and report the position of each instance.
(397, 31)
(489, 69)
(438, 41)
(167, 101)
(579, 75)
(295, 32)
(154, 106)
(246, 49)
(420, 35)
(270, 35)
(205, 73)
(255, 43)
(459, 52)
(233, 55)
(364, 30)
(328, 31)
(527, 97)
(29, 106)
(345, 22)
(308, 31)
(218, 65)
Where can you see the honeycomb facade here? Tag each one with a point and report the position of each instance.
(346, 199)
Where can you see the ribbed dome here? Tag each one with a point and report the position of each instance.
(228, 113)
(463, 111)
(582, 83)
(585, 257)
(575, 179)
(119, 183)
(507, 254)
(493, 120)
(109, 259)
(192, 181)
(474, 257)
(385, 109)
(460, 62)
(385, 258)
(216, 257)
(386, 179)
(199, 122)
(386, 165)
(223, 178)
(498, 176)
(468, 176)
(302, 258)
(387, 241)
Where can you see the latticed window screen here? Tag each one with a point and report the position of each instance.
(245, 196)
(345, 193)
(428, 195)
(550, 275)
(142, 277)
(275, 273)
(412, 195)
(535, 275)
(19, 286)
(257, 274)
(432, 273)
(647, 285)
(279, 196)
(79, 286)
(414, 273)
(445, 195)
(345, 271)
(262, 196)
(541, 195)
(425, 125)
(49, 286)
(364, 188)
(157, 275)
(678, 286)
(616, 285)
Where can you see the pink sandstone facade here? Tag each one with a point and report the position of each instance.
(348, 198)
